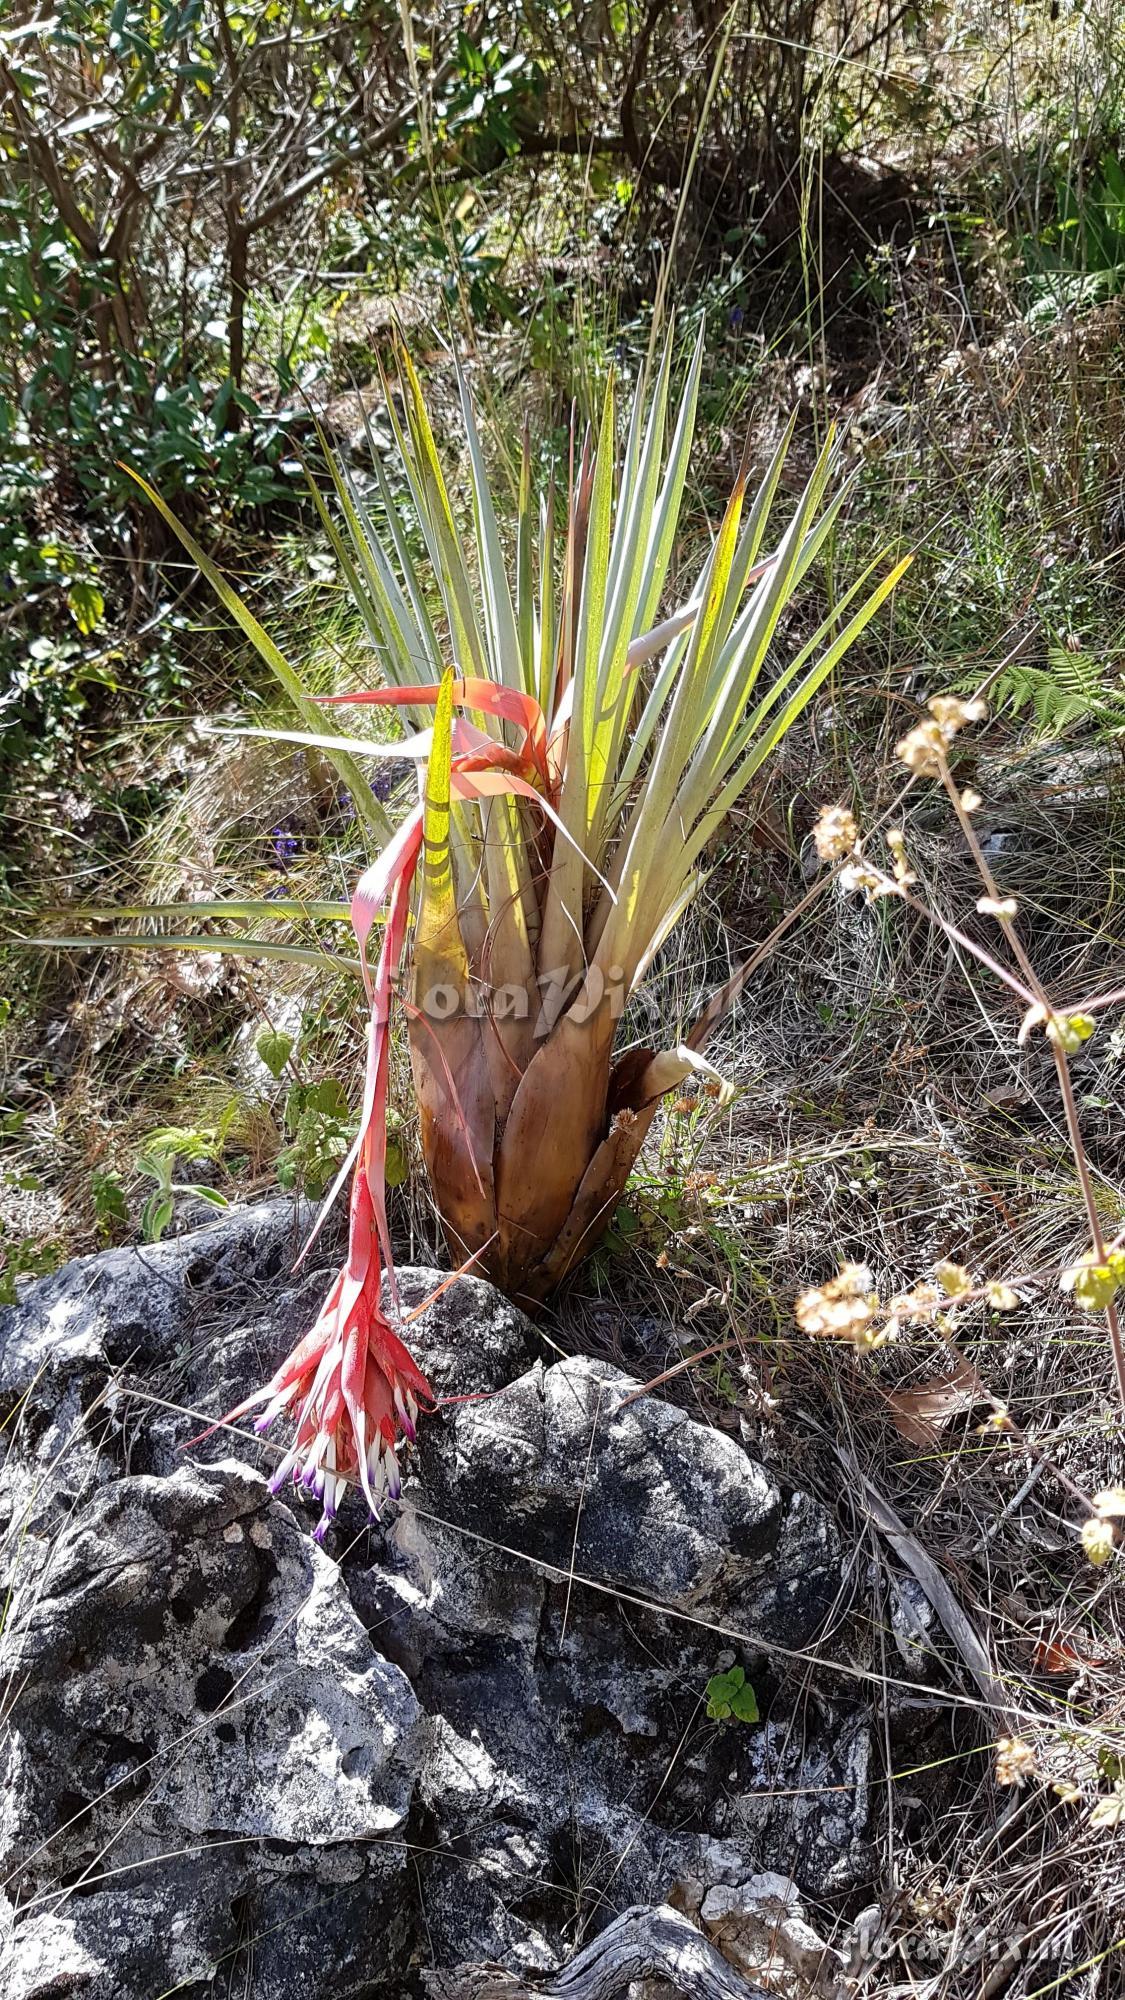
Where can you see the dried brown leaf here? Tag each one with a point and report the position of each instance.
(921, 1414)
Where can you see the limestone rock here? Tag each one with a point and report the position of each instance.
(197, 1705)
(464, 1734)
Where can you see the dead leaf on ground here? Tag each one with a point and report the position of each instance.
(1058, 1656)
(921, 1414)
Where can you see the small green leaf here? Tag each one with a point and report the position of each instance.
(87, 606)
(208, 1194)
(109, 1198)
(275, 1049)
(172, 1140)
(329, 1098)
(730, 1697)
(156, 1215)
(623, 1231)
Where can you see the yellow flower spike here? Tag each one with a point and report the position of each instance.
(954, 1280)
(1070, 1030)
(1098, 1541)
(1094, 1280)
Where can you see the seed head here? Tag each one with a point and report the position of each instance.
(953, 713)
(835, 833)
(923, 749)
(896, 841)
(843, 1309)
(858, 875)
(1000, 1297)
(1015, 1761)
(920, 1303)
(1110, 1811)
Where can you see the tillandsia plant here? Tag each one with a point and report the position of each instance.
(566, 798)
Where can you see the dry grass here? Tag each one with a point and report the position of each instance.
(890, 1118)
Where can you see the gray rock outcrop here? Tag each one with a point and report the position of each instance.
(473, 1732)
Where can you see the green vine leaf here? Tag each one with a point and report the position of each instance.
(275, 1049)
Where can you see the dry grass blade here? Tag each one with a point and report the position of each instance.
(922, 1567)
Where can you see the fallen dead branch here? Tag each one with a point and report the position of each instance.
(642, 1943)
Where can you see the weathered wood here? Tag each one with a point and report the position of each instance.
(642, 1943)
